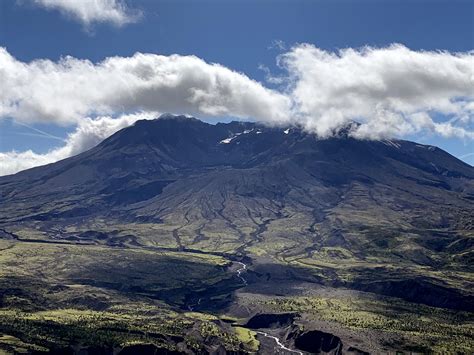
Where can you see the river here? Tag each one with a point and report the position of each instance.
(242, 270)
(278, 343)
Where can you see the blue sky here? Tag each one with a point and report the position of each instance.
(240, 35)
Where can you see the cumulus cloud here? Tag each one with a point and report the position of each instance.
(88, 133)
(70, 89)
(89, 12)
(392, 91)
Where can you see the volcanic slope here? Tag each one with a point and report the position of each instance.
(388, 217)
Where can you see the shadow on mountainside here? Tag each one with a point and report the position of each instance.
(282, 280)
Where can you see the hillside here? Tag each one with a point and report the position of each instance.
(161, 213)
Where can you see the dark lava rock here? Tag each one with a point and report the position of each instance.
(147, 349)
(420, 290)
(271, 320)
(317, 342)
(95, 350)
(354, 350)
(56, 351)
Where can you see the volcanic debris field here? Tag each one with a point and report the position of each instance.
(175, 236)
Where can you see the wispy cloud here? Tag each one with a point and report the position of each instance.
(39, 132)
(88, 133)
(464, 156)
(88, 12)
(278, 44)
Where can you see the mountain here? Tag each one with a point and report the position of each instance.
(137, 163)
(386, 218)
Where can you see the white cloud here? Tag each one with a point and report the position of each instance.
(391, 91)
(70, 89)
(89, 12)
(278, 44)
(88, 133)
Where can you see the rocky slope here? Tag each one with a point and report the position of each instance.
(389, 217)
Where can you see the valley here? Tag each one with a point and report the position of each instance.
(171, 237)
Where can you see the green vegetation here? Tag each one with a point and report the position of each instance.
(13, 344)
(60, 328)
(100, 274)
(97, 295)
(247, 337)
(105, 329)
(55, 295)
